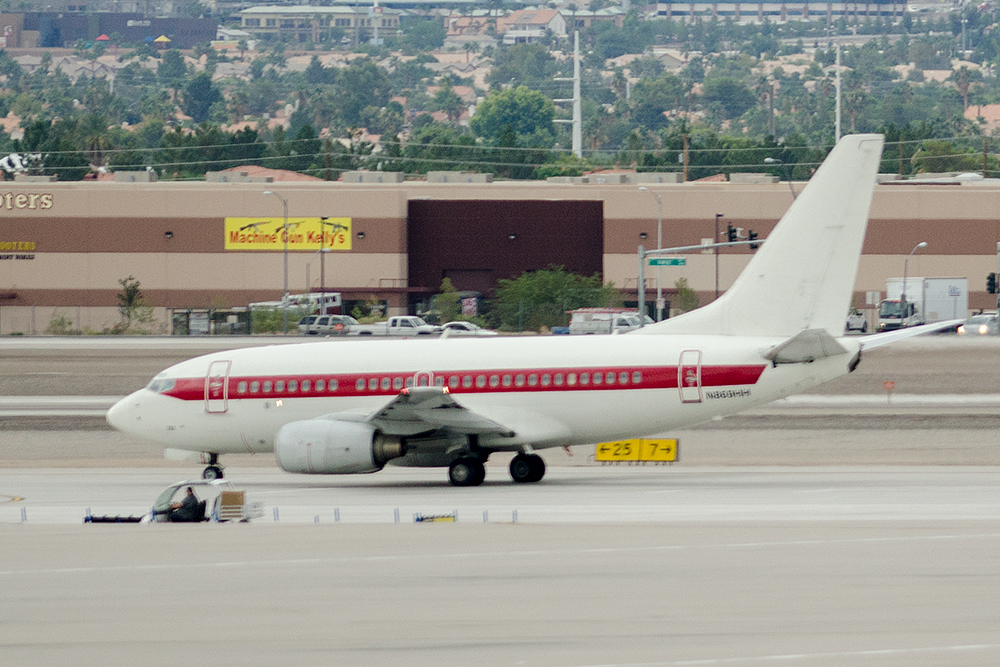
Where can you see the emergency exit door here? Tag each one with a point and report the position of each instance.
(689, 376)
(217, 387)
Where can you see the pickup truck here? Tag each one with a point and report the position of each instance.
(399, 325)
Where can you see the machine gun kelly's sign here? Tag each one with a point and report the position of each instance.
(302, 233)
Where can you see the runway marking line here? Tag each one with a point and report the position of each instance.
(807, 656)
(484, 554)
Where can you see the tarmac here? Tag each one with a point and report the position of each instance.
(836, 531)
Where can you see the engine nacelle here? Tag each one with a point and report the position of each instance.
(332, 447)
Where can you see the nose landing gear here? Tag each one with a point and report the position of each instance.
(213, 470)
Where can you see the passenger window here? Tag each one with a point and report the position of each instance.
(320, 385)
(360, 384)
(409, 382)
(267, 386)
(636, 377)
(279, 386)
(386, 383)
(571, 379)
(467, 381)
(558, 379)
(372, 384)
(406, 323)
(480, 381)
(598, 377)
(519, 380)
(254, 387)
(546, 379)
(332, 386)
(494, 380)
(305, 386)
(453, 381)
(397, 382)
(241, 388)
(293, 385)
(623, 377)
(584, 378)
(439, 381)
(532, 380)
(610, 378)
(506, 380)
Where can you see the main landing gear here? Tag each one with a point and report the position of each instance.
(467, 471)
(213, 470)
(526, 468)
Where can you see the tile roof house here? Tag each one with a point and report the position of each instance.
(528, 26)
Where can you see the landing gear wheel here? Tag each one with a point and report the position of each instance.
(212, 472)
(467, 472)
(525, 468)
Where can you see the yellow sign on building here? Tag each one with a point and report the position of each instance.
(303, 234)
(638, 449)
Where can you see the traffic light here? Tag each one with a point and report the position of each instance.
(752, 236)
(731, 233)
(991, 283)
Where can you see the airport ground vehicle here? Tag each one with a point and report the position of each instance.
(326, 325)
(927, 300)
(218, 500)
(856, 321)
(462, 328)
(603, 321)
(399, 325)
(984, 324)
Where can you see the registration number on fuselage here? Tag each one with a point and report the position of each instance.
(728, 393)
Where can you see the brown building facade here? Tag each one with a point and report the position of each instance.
(64, 247)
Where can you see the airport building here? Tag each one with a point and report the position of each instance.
(64, 247)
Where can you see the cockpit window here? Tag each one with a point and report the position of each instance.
(162, 385)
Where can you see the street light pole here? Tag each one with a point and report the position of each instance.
(906, 309)
(716, 240)
(284, 230)
(788, 172)
(659, 245)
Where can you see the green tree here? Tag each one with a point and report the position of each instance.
(733, 96)
(446, 100)
(199, 96)
(362, 84)
(447, 303)
(132, 308)
(537, 299)
(526, 111)
(687, 298)
(172, 68)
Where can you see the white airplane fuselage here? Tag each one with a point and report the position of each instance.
(544, 389)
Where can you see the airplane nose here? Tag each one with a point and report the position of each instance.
(124, 414)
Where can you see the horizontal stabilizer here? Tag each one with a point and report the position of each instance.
(878, 340)
(805, 346)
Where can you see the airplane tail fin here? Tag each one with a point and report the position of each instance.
(803, 276)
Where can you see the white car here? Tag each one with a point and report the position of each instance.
(856, 321)
(462, 328)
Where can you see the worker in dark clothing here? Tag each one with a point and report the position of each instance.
(186, 509)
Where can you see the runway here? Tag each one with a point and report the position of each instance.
(842, 530)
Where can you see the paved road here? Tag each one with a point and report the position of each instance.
(816, 567)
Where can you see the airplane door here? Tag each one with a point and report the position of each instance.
(689, 376)
(217, 387)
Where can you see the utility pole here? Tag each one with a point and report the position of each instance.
(716, 240)
(577, 99)
(837, 133)
(685, 157)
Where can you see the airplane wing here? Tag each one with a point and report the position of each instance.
(878, 340)
(419, 409)
(804, 347)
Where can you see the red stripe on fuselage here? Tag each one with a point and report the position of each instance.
(492, 381)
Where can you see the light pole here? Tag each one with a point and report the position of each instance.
(788, 172)
(659, 245)
(716, 240)
(284, 230)
(906, 309)
(334, 226)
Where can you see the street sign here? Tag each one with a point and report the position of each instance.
(667, 261)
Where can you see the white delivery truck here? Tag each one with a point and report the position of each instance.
(603, 320)
(926, 300)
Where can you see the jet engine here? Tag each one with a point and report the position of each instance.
(332, 447)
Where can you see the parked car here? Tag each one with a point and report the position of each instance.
(984, 324)
(856, 321)
(460, 328)
(326, 325)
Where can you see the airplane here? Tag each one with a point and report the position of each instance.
(355, 406)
